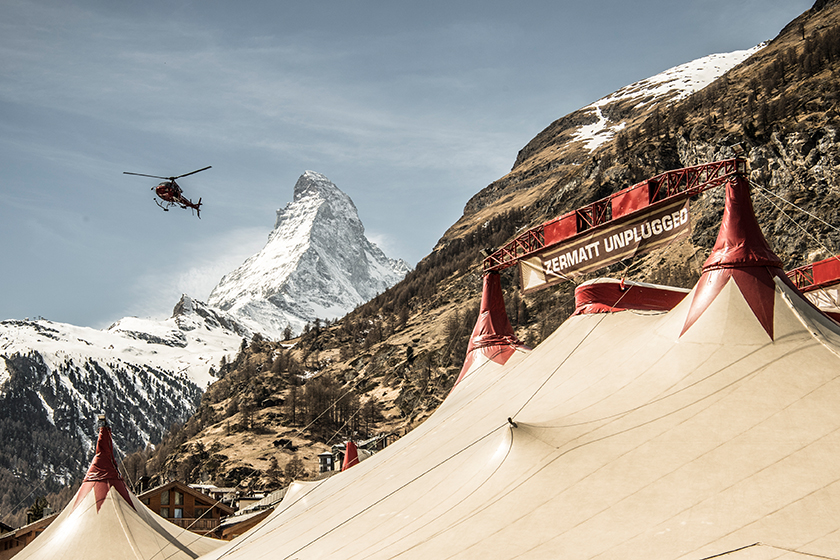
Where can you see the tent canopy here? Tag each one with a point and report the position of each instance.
(106, 521)
(708, 430)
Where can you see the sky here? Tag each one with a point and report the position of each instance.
(410, 108)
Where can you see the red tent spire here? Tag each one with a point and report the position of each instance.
(103, 472)
(493, 334)
(741, 253)
(351, 456)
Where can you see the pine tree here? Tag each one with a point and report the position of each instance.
(274, 473)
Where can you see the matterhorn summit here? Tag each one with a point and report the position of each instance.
(317, 264)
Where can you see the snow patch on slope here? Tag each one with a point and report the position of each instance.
(5, 374)
(675, 83)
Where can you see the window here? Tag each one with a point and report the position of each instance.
(200, 511)
(164, 498)
(179, 498)
(164, 512)
(179, 513)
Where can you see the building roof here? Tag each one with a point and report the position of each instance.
(187, 489)
(28, 528)
(209, 488)
(268, 501)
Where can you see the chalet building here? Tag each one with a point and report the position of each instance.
(248, 500)
(12, 541)
(186, 507)
(326, 462)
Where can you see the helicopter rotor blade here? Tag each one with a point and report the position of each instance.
(192, 172)
(144, 175)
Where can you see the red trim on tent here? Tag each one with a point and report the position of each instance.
(741, 253)
(608, 296)
(493, 334)
(351, 456)
(103, 473)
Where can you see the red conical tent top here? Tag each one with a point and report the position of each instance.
(103, 472)
(741, 253)
(493, 334)
(351, 456)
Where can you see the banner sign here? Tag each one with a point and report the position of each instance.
(602, 247)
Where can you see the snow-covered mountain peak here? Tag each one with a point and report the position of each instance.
(317, 263)
(148, 374)
(314, 183)
(315, 195)
(190, 314)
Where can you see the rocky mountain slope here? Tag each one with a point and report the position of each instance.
(400, 353)
(780, 103)
(149, 374)
(317, 263)
(55, 378)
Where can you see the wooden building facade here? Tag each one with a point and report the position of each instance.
(186, 507)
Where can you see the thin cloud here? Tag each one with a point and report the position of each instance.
(402, 102)
(156, 292)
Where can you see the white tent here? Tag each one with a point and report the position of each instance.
(711, 430)
(106, 521)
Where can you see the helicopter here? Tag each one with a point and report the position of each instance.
(170, 192)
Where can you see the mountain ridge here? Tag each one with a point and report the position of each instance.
(397, 355)
(569, 139)
(59, 376)
(402, 350)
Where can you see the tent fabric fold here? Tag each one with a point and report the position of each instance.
(622, 435)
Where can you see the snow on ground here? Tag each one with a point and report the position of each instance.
(5, 374)
(48, 408)
(160, 344)
(598, 133)
(142, 363)
(678, 82)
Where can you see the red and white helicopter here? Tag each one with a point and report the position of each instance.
(170, 192)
